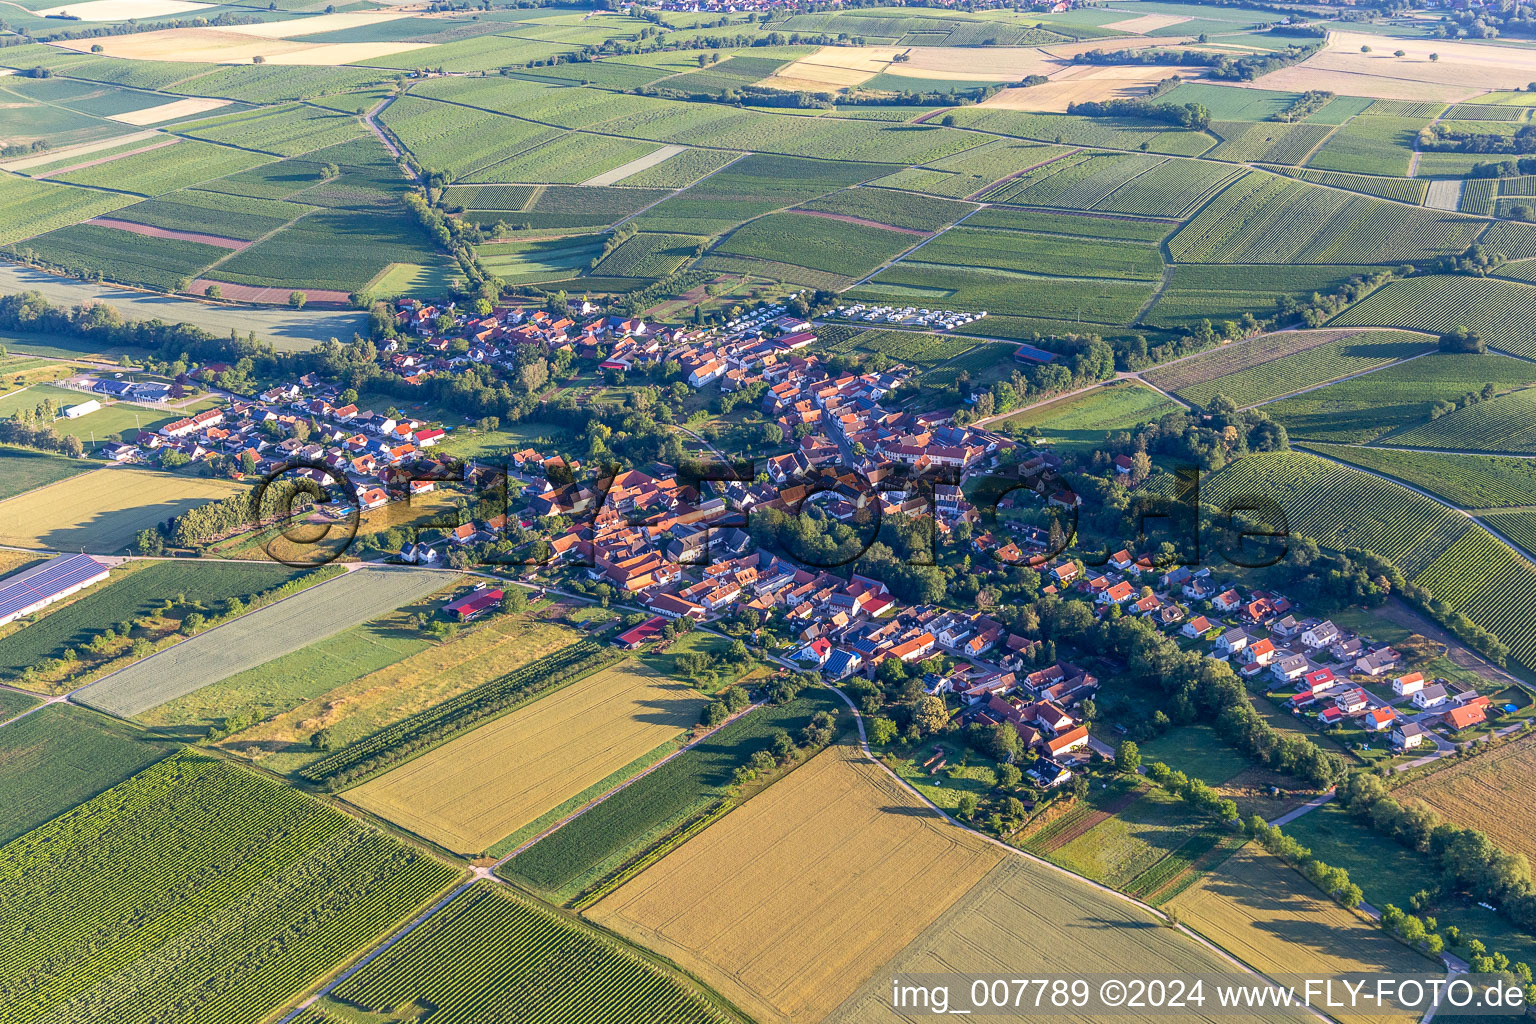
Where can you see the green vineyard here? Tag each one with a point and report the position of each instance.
(490, 955)
(1342, 508)
(1491, 585)
(196, 892)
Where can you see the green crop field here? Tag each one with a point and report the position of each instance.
(1041, 254)
(633, 820)
(898, 209)
(1074, 301)
(1404, 190)
(520, 262)
(1482, 578)
(1075, 224)
(681, 170)
(1075, 182)
(1065, 129)
(1366, 407)
(281, 131)
(62, 755)
(569, 159)
(1167, 190)
(972, 171)
(818, 243)
(1503, 424)
(334, 249)
(1471, 481)
(213, 213)
(205, 891)
(527, 961)
(1371, 144)
(1227, 103)
(1278, 364)
(647, 255)
(1079, 424)
(133, 596)
(1265, 218)
(1216, 292)
(166, 169)
(22, 470)
(1503, 312)
(458, 139)
(121, 255)
(1342, 508)
(30, 207)
(1266, 142)
(258, 637)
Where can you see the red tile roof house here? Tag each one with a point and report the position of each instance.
(1379, 719)
(473, 603)
(647, 631)
(1071, 740)
(1459, 718)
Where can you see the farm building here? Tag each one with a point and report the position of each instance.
(644, 633)
(37, 588)
(473, 603)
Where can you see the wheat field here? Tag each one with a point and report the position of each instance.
(474, 790)
(1481, 793)
(791, 902)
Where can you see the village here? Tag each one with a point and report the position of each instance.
(682, 549)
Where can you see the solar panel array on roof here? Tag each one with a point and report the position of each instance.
(46, 581)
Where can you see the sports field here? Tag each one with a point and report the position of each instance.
(791, 902)
(101, 512)
(480, 787)
(258, 637)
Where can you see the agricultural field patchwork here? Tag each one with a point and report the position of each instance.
(471, 792)
(1471, 481)
(1503, 424)
(60, 756)
(790, 943)
(1366, 407)
(257, 637)
(1278, 364)
(1475, 794)
(521, 964)
(601, 841)
(104, 510)
(352, 709)
(119, 888)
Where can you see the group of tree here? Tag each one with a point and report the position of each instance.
(1465, 858)
(1225, 67)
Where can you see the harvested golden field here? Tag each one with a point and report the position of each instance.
(124, 10)
(228, 46)
(832, 67)
(1072, 929)
(1146, 23)
(472, 791)
(986, 64)
(102, 511)
(1301, 77)
(1462, 70)
(167, 111)
(309, 26)
(63, 153)
(413, 684)
(1478, 793)
(1083, 83)
(1267, 915)
(791, 902)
